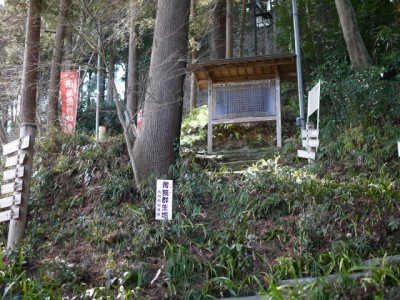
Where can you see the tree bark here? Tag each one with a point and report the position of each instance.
(242, 24)
(358, 53)
(229, 26)
(31, 64)
(218, 30)
(132, 95)
(54, 84)
(162, 115)
(193, 100)
(3, 133)
(110, 89)
(27, 114)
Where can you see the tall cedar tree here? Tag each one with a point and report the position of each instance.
(132, 94)
(162, 113)
(31, 64)
(218, 30)
(54, 84)
(358, 53)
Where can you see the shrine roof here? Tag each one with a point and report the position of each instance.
(262, 67)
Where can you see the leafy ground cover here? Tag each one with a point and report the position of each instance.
(90, 235)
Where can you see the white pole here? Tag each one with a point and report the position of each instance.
(98, 88)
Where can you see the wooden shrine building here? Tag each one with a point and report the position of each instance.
(244, 89)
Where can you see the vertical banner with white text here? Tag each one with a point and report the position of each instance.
(69, 100)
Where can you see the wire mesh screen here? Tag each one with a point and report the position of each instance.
(244, 100)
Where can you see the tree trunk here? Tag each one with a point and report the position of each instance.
(31, 64)
(27, 114)
(110, 90)
(162, 116)
(358, 53)
(242, 25)
(54, 84)
(193, 100)
(101, 72)
(229, 26)
(3, 133)
(218, 30)
(132, 95)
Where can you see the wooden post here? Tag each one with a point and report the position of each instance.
(278, 109)
(311, 126)
(102, 134)
(17, 226)
(193, 100)
(210, 109)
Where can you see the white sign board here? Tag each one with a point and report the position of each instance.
(16, 145)
(15, 173)
(164, 200)
(10, 201)
(15, 160)
(12, 187)
(9, 214)
(306, 154)
(398, 147)
(313, 99)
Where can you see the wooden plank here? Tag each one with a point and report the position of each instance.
(311, 133)
(210, 116)
(15, 160)
(306, 154)
(304, 143)
(11, 147)
(10, 201)
(16, 145)
(244, 120)
(9, 214)
(313, 143)
(12, 187)
(15, 173)
(278, 110)
(25, 142)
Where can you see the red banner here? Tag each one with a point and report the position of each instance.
(69, 100)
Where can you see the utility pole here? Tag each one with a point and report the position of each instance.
(301, 121)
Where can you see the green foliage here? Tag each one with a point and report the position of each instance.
(194, 127)
(86, 118)
(233, 234)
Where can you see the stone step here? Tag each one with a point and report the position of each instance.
(235, 160)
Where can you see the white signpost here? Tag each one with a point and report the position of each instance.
(13, 178)
(164, 200)
(398, 147)
(309, 136)
(14, 186)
